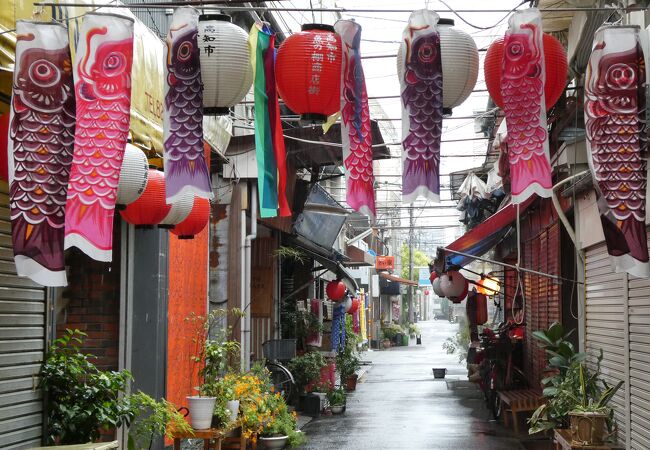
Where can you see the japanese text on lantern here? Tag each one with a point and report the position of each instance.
(323, 48)
(209, 36)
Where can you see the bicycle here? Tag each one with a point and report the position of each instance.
(498, 370)
(276, 351)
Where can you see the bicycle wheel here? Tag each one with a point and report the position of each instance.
(281, 379)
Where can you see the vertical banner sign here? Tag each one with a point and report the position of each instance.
(616, 138)
(185, 166)
(356, 135)
(102, 73)
(40, 149)
(522, 86)
(267, 171)
(419, 66)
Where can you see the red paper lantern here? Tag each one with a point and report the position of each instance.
(335, 290)
(151, 208)
(556, 70)
(462, 296)
(308, 72)
(426, 292)
(354, 306)
(433, 275)
(196, 221)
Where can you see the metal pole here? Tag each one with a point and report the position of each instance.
(410, 294)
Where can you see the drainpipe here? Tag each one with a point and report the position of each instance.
(242, 286)
(247, 244)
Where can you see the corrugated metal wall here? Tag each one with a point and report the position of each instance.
(22, 346)
(606, 326)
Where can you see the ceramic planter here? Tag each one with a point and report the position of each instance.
(201, 410)
(337, 409)
(273, 443)
(233, 407)
(588, 428)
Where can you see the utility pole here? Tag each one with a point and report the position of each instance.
(410, 292)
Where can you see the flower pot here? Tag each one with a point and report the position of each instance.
(233, 407)
(337, 409)
(201, 410)
(385, 343)
(309, 404)
(439, 373)
(273, 443)
(351, 382)
(588, 428)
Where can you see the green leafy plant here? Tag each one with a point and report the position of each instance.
(279, 421)
(391, 331)
(347, 358)
(306, 368)
(81, 399)
(291, 253)
(561, 353)
(413, 330)
(336, 397)
(459, 343)
(156, 418)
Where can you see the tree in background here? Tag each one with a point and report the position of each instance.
(419, 259)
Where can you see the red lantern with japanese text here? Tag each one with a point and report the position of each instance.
(196, 221)
(555, 61)
(150, 208)
(335, 290)
(308, 72)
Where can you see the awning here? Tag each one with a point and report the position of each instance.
(485, 236)
(395, 278)
(358, 257)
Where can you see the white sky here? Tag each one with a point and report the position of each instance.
(381, 34)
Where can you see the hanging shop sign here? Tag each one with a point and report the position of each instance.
(225, 63)
(186, 168)
(309, 72)
(384, 262)
(40, 150)
(617, 143)
(102, 72)
(356, 135)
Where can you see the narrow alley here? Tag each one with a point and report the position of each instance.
(399, 405)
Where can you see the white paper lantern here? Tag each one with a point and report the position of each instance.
(452, 284)
(179, 211)
(459, 64)
(226, 68)
(436, 287)
(133, 175)
(348, 304)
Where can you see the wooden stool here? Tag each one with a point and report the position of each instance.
(562, 439)
(211, 438)
(524, 400)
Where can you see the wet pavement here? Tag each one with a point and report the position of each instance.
(399, 405)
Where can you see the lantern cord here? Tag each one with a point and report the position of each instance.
(479, 27)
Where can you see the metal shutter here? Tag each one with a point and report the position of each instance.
(639, 335)
(22, 345)
(605, 297)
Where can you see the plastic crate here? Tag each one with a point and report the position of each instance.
(279, 349)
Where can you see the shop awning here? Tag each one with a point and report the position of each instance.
(485, 236)
(395, 278)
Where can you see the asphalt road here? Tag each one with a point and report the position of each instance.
(399, 405)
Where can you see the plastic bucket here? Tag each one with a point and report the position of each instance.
(439, 373)
(201, 411)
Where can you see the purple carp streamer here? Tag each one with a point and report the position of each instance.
(356, 134)
(616, 139)
(522, 86)
(40, 150)
(419, 66)
(186, 169)
(102, 72)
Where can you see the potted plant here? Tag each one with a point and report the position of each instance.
(305, 369)
(337, 400)
(215, 353)
(347, 359)
(81, 399)
(279, 427)
(413, 330)
(156, 418)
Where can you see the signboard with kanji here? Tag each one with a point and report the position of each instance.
(385, 262)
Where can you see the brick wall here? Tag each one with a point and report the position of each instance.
(91, 303)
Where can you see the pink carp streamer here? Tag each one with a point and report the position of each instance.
(102, 70)
(186, 169)
(615, 109)
(522, 86)
(356, 134)
(40, 150)
(419, 65)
